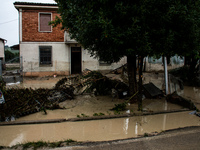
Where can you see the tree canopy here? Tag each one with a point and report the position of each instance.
(112, 29)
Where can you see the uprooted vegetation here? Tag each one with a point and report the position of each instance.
(21, 102)
(25, 101)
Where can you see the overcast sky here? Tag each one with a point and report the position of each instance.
(9, 20)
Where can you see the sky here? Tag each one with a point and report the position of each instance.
(9, 24)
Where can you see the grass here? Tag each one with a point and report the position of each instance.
(98, 114)
(42, 144)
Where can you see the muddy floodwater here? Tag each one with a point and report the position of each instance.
(98, 130)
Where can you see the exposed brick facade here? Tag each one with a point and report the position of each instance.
(30, 27)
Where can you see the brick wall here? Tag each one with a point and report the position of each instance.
(30, 32)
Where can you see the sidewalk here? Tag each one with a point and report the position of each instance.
(179, 139)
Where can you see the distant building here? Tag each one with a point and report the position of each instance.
(46, 50)
(14, 49)
(2, 50)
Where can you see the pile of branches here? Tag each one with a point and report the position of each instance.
(25, 101)
(93, 82)
(101, 85)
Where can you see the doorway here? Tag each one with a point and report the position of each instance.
(75, 60)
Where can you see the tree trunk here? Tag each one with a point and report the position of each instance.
(131, 67)
(192, 68)
(140, 84)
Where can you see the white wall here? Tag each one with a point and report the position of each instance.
(93, 64)
(61, 53)
(2, 49)
(30, 54)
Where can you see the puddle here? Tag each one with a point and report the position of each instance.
(35, 83)
(191, 93)
(98, 130)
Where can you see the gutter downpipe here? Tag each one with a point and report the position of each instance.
(166, 75)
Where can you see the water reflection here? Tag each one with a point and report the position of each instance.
(99, 130)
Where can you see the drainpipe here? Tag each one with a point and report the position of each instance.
(166, 75)
(0, 69)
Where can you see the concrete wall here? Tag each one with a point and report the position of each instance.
(153, 64)
(30, 59)
(2, 50)
(61, 59)
(93, 64)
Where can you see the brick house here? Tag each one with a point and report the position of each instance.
(45, 50)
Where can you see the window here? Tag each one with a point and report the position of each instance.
(45, 55)
(104, 63)
(44, 19)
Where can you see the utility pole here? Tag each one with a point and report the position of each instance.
(166, 75)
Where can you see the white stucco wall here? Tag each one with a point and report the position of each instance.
(30, 57)
(153, 64)
(61, 58)
(2, 49)
(91, 63)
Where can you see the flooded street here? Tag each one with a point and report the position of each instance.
(192, 93)
(98, 130)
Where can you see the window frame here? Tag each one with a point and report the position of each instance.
(45, 65)
(104, 63)
(48, 13)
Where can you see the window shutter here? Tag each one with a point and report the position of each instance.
(44, 22)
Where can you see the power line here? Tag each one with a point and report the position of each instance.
(8, 21)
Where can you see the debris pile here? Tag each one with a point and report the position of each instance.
(25, 101)
(21, 102)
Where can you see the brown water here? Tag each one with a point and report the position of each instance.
(88, 105)
(98, 130)
(191, 93)
(34, 83)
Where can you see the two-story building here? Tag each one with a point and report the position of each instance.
(45, 50)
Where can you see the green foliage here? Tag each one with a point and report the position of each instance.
(181, 72)
(9, 55)
(42, 144)
(116, 28)
(98, 114)
(112, 29)
(2, 85)
(119, 107)
(35, 145)
(82, 115)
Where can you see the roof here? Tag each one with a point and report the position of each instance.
(35, 5)
(3, 39)
(15, 47)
